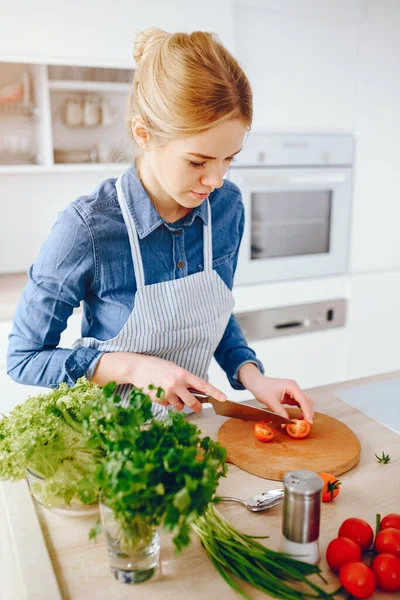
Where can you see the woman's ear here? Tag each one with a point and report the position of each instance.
(140, 133)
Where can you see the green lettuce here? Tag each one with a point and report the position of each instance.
(45, 435)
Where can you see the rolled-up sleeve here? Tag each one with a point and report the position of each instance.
(58, 281)
(233, 351)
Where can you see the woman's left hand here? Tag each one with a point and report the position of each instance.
(274, 392)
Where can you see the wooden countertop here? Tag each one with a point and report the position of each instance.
(49, 556)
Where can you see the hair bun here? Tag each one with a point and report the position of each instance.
(146, 40)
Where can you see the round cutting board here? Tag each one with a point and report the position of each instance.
(331, 447)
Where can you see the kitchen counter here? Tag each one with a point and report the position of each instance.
(46, 556)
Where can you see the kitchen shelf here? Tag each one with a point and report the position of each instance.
(46, 129)
(63, 168)
(90, 86)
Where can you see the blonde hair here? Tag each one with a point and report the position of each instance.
(185, 84)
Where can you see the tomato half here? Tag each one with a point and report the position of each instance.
(391, 520)
(388, 540)
(299, 429)
(358, 579)
(387, 572)
(331, 487)
(263, 432)
(341, 550)
(357, 530)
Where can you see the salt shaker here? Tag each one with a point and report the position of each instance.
(301, 515)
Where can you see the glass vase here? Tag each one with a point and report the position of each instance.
(134, 555)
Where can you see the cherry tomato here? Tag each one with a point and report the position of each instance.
(341, 550)
(391, 520)
(299, 429)
(388, 540)
(331, 486)
(358, 579)
(357, 530)
(387, 572)
(263, 432)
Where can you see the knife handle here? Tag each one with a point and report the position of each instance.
(199, 395)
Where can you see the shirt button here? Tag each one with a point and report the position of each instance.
(181, 264)
(177, 231)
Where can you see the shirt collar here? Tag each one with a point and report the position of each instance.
(144, 215)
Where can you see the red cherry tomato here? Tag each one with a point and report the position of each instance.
(341, 550)
(263, 432)
(388, 540)
(358, 579)
(299, 429)
(387, 572)
(391, 520)
(357, 530)
(331, 487)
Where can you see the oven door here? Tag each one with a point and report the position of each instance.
(297, 222)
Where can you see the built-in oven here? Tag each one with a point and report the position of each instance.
(297, 194)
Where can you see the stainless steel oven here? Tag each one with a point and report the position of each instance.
(297, 194)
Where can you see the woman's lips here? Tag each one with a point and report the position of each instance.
(199, 196)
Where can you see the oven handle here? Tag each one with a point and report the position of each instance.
(289, 179)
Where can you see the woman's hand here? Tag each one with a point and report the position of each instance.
(273, 393)
(142, 370)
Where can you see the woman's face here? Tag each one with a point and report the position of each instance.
(187, 170)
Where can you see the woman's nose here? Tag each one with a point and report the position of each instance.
(213, 178)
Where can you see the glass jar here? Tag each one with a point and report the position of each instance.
(134, 556)
(75, 509)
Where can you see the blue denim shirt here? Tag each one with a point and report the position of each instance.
(87, 260)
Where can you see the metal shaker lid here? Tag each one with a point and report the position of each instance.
(302, 482)
(301, 506)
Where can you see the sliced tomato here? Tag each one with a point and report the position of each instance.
(263, 432)
(299, 429)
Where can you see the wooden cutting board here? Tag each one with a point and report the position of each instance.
(331, 447)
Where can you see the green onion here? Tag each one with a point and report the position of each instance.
(235, 554)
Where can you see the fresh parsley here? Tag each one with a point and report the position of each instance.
(153, 473)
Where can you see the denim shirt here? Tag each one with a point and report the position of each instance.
(87, 260)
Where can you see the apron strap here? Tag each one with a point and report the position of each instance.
(133, 237)
(207, 242)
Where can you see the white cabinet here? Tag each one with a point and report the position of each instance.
(101, 32)
(302, 62)
(373, 328)
(311, 359)
(375, 236)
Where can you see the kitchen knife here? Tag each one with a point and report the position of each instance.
(237, 410)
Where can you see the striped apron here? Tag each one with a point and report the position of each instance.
(182, 320)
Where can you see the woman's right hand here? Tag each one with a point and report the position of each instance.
(142, 370)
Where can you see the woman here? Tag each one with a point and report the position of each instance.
(152, 255)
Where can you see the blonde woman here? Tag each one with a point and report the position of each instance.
(152, 255)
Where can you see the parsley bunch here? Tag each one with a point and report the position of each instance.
(45, 435)
(152, 473)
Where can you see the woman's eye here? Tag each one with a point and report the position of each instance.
(196, 165)
(231, 159)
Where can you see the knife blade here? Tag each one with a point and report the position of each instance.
(237, 410)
